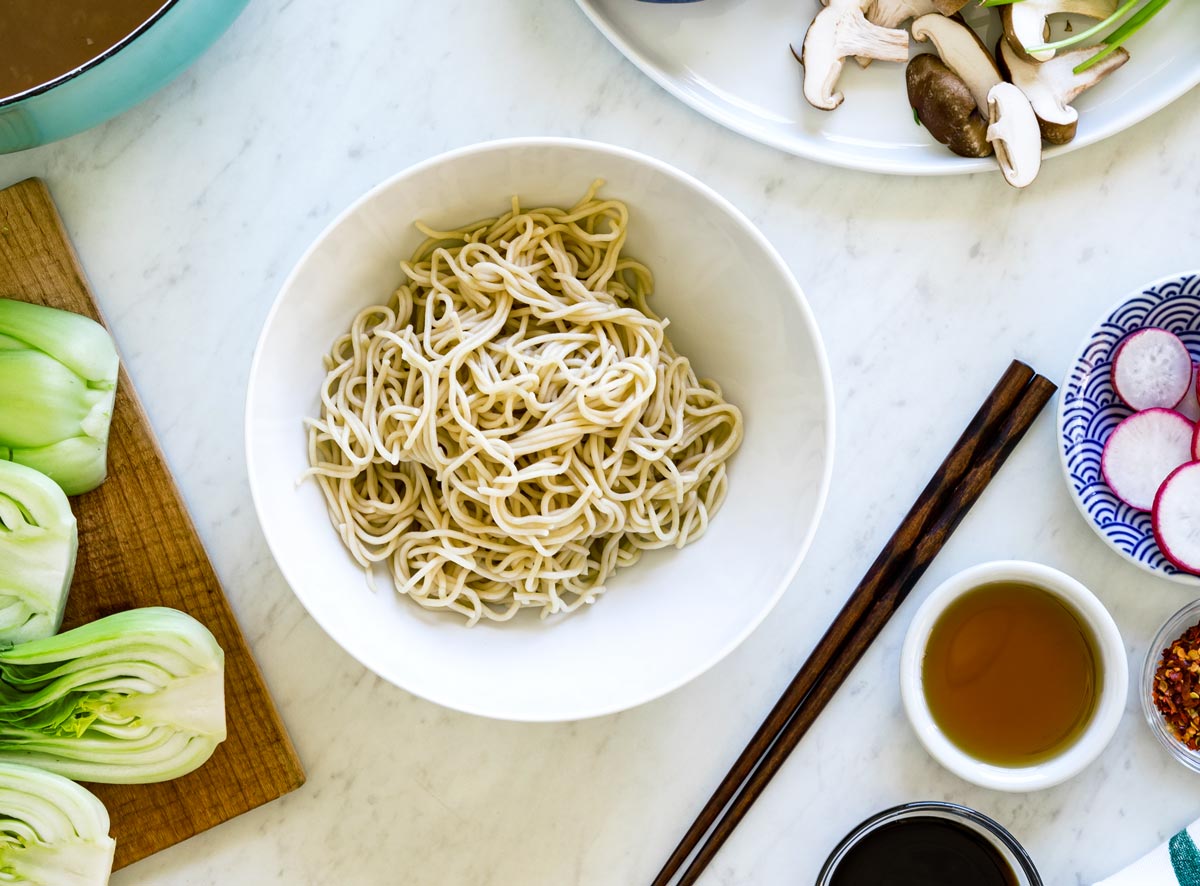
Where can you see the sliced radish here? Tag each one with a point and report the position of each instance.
(1142, 451)
(1190, 407)
(1196, 443)
(1177, 517)
(1152, 368)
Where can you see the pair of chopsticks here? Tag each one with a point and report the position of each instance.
(989, 439)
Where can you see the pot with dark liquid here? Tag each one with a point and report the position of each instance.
(69, 65)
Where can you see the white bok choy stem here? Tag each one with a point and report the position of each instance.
(53, 832)
(38, 541)
(58, 381)
(132, 698)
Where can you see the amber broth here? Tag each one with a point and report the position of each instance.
(44, 39)
(1010, 674)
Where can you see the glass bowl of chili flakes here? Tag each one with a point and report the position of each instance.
(1171, 686)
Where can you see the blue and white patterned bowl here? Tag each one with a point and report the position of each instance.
(1089, 410)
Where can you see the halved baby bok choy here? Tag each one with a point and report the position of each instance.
(132, 698)
(58, 380)
(38, 541)
(52, 831)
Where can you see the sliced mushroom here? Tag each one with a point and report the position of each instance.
(963, 53)
(841, 30)
(1025, 22)
(894, 13)
(1013, 131)
(946, 107)
(1052, 86)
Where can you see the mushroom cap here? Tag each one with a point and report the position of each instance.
(1014, 132)
(963, 53)
(893, 13)
(946, 107)
(950, 7)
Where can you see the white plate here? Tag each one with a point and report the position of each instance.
(735, 309)
(729, 59)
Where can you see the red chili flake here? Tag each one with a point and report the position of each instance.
(1176, 689)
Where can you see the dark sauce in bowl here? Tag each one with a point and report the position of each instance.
(40, 40)
(923, 851)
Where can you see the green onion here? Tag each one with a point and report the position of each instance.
(38, 541)
(58, 380)
(133, 698)
(1124, 28)
(54, 831)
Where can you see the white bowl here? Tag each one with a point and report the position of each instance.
(734, 308)
(1113, 667)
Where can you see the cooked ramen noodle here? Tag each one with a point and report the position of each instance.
(514, 424)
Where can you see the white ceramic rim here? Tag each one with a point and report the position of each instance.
(950, 165)
(1109, 708)
(820, 356)
(1178, 577)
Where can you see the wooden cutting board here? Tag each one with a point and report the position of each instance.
(138, 547)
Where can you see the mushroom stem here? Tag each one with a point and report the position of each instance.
(963, 52)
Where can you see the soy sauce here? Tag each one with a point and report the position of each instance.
(925, 851)
(1010, 674)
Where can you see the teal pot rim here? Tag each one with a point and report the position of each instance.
(43, 88)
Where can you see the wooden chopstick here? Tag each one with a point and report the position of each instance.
(989, 438)
(996, 406)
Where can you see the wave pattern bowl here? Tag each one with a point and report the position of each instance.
(1089, 410)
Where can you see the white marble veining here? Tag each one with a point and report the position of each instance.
(188, 212)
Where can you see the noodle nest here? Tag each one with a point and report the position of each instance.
(514, 424)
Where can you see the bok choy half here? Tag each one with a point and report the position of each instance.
(52, 831)
(132, 698)
(58, 381)
(38, 540)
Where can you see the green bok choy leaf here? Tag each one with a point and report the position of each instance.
(52, 831)
(38, 541)
(132, 698)
(58, 380)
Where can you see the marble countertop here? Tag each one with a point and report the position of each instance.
(188, 212)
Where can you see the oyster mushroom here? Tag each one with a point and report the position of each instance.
(962, 52)
(1051, 86)
(1025, 22)
(946, 107)
(1013, 131)
(839, 31)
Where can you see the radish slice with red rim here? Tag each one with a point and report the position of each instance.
(1152, 368)
(1142, 451)
(1177, 517)
(1196, 443)
(1190, 407)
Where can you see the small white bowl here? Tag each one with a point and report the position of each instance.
(735, 310)
(1113, 673)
